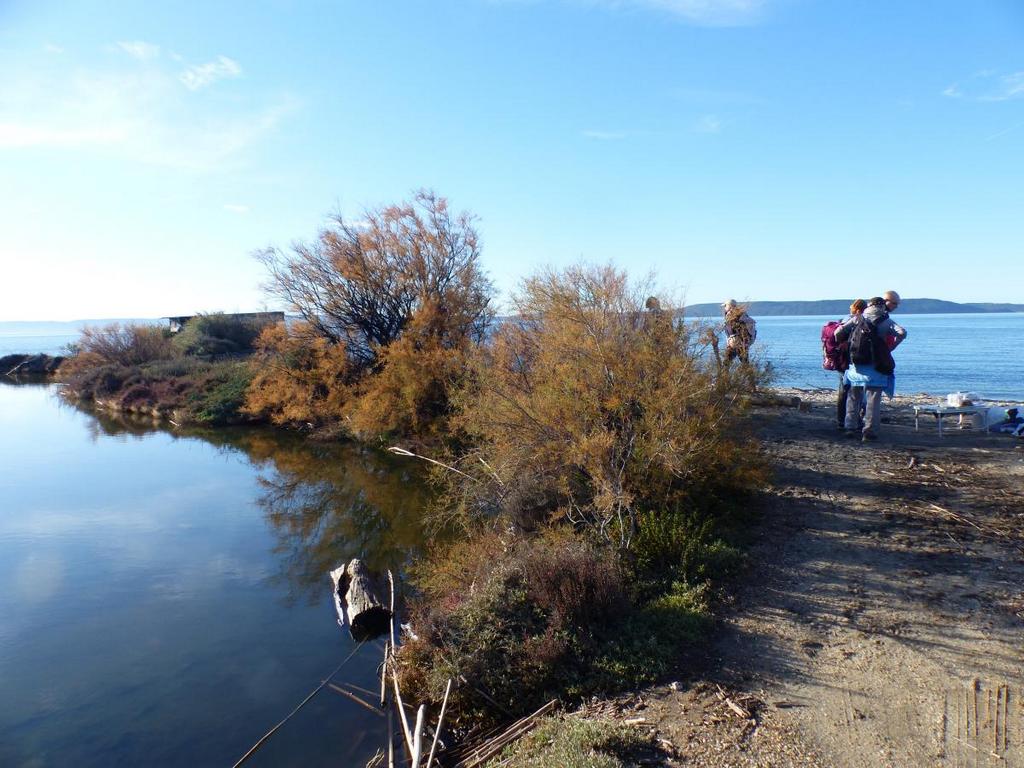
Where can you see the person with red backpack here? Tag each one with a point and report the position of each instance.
(872, 367)
(835, 356)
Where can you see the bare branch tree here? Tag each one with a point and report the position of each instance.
(361, 284)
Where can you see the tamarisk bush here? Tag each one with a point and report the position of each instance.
(592, 404)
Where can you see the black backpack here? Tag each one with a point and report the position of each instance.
(862, 342)
(867, 347)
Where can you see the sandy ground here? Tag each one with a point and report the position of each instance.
(881, 621)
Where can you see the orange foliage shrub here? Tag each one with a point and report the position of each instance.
(588, 407)
(410, 392)
(299, 378)
(391, 307)
(361, 284)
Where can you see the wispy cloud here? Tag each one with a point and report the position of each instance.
(988, 85)
(235, 208)
(202, 75)
(604, 135)
(139, 49)
(1000, 134)
(52, 48)
(1010, 87)
(708, 124)
(141, 113)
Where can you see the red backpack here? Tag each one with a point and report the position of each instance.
(835, 355)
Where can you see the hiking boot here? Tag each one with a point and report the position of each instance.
(850, 433)
(869, 437)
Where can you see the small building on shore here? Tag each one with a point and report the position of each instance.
(175, 324)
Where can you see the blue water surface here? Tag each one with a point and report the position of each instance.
(942, 354)
(164, 598)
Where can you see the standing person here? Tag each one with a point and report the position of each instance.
(655, 318)
(740, 331)
(837, 357)
(871, 363)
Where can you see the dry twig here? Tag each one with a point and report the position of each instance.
(732, 704)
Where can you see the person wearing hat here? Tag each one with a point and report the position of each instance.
(740, 331)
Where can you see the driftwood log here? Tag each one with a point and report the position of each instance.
(771, 400)
(361, 600)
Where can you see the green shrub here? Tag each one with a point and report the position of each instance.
(201, 391)
(572, 742)
(654, 638)
(182, 367)
(221, 398)
(682, 543)
(216, 334)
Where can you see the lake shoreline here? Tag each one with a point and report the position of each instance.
(796, 440)
(662, 565)
(160, 413)
(202, 546)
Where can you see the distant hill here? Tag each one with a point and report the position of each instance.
(840, 307)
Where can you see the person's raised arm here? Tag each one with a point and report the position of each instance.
(900, 333)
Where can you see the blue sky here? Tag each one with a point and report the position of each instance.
(761, 149)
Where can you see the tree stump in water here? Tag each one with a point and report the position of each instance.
(361, 599)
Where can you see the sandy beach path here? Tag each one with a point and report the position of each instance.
(881, 622)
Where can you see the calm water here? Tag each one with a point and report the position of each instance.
(945, 353)
(165, 600)
(942, 354)
(48, 338)
(45, 343)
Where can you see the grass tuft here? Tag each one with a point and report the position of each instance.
(571, 742)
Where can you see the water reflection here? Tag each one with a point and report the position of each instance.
(148, 585)
(326, 502)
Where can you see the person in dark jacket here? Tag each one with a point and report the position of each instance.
(865, 380)
(856, 309)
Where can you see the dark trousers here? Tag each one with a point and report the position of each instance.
(731, 353)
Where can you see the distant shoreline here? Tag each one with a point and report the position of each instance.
(820, 307)
(836, 307)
